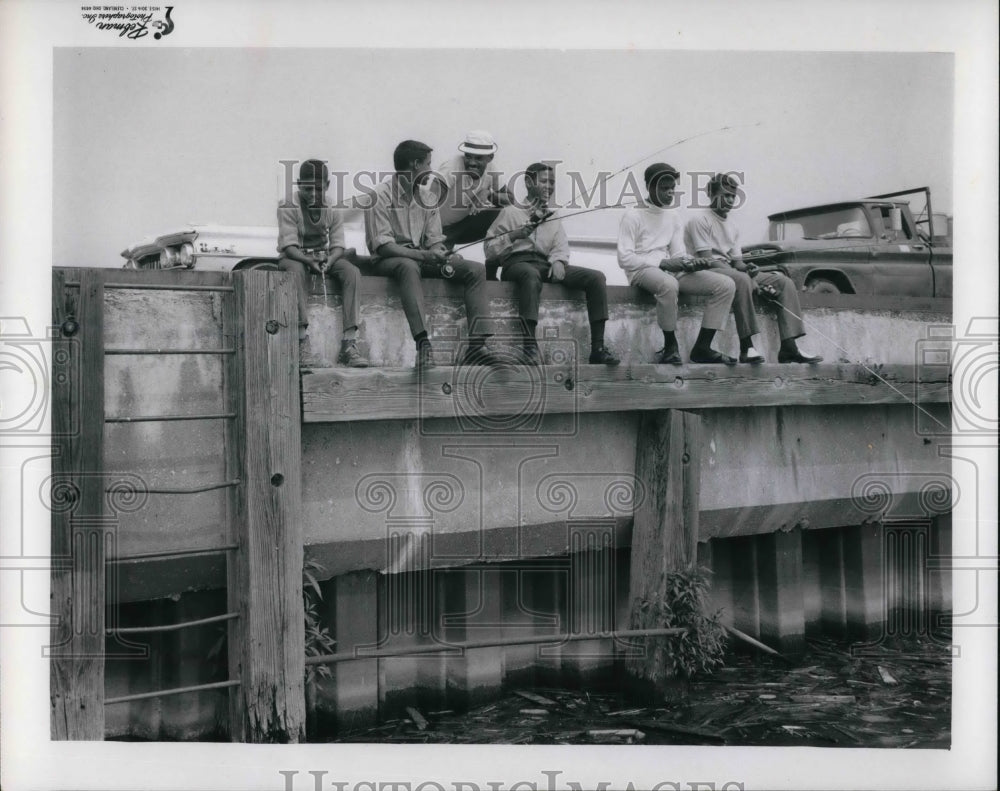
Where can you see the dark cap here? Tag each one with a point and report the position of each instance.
(659, 170)
(722, 182)
(313, 171)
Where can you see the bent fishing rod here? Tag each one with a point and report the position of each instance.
(604, 178)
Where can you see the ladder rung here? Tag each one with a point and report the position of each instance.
(176, 691)
(151, 418)
(120, 491)
(169, 351)
(177, 553)
(172, 627)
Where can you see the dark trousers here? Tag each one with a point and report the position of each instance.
(529, 271)
(408, 273)
(343, 270)
(471, 228)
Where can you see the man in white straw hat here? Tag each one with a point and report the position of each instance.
(469, 190)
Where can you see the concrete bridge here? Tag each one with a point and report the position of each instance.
(463, 506)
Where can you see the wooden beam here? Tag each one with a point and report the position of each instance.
(664, 532)
(340, 394)
(79, 530)
(271, 649)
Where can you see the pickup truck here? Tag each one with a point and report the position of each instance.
(873, 246)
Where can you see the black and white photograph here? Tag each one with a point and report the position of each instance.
(479, 396)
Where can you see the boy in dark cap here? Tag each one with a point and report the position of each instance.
(311, 241)
(651, 251)
(709, 234)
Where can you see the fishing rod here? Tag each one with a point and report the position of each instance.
(607, 177)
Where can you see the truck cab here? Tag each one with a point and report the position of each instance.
(872, 247)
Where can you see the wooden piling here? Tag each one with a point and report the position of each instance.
(266, 582)
(79, 531)
(665, 523)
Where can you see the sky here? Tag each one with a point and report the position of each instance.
(146, 140)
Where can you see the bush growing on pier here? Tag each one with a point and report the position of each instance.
(683, 603)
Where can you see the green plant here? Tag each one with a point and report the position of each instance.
(319, 641)
(683, 603)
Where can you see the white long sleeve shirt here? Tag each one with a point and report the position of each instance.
(647, 235)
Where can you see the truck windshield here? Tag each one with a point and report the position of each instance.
(833, 224)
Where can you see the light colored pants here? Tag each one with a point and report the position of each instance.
(789, 321)
(664, 286)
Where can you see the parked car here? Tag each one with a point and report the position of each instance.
(873, 246)
(233, 247)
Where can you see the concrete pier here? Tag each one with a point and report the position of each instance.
(474, 505)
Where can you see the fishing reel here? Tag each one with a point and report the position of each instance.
(539, 214)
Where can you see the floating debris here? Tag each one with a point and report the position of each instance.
(837, 696)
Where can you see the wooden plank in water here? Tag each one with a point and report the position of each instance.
(339, 394)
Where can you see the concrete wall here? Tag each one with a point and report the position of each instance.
(866, 331)
(501, 488)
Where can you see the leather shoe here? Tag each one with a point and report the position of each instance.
(663, 357)
(602, 356)
(751, 356)
(711, 357)
(798, 357)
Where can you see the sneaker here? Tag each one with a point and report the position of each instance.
(751, 356)
(425, 355)
(664, 357)
(350, 356)
(602, 356)
(310, 359)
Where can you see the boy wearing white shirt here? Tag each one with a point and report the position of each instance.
(651, 251)
(709, 234)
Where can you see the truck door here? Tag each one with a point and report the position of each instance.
(901, 260)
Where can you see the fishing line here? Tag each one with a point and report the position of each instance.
(608, 177)
(861, 363)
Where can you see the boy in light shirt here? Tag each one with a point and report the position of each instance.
(651, 251)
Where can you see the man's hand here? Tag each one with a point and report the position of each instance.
(750, 268)
(317, 262)
(557, 271)
(435, 256)
(524, 232)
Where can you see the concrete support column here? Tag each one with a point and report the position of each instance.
(745, 586)
(864, 581)
(780, 591)
(833, 607)
(356, 683)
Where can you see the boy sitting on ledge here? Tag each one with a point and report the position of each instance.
(403, 232)
(532, 248)
(311, 240)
